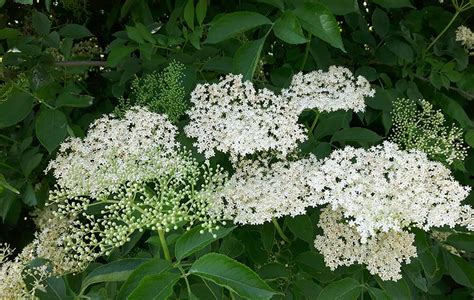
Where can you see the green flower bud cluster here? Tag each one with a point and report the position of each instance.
(418, 126)
(20, 83)
(161, 92)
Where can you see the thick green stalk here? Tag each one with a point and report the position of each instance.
(164, 245)
(314, 123)
(280, 231)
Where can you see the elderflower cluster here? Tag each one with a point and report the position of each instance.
(340, 244)
(14, 272)
(425, 130)
(115, 151)
(127, 175)
(261, 190)
(385, 189)
(465, 36)
(336, 89)
(231, 116)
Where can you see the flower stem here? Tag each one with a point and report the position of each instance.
(306, 51)
(442, 32)
(280, 231)
(314, 123)
(164, 245)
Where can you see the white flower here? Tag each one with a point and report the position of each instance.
(383, 253)
(383, 189)
(232, 117)
(126, 175)
(336, 89)
(115, 151)
(260, 190)
(465, 36)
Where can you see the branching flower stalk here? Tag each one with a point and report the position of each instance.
(460, 8)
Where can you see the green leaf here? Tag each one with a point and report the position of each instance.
(356, 134)
(8, 33)
(41, 23)
(16, 108)
(469, 138)
(2, 3)
(273, 271)
(233, 275)
(74, 31)
(152, 267)
(378, 294)
(342, 7)
(247, 57)
(460, 270)
(72, 99)
(380, 22)
(275, 3)
(193, 241)
(313, 263)
(28, 2)
(382, 100)
(329, 123)
(5, 184)
(51, 128)
(231, 24)
(201, 10)
(301, 227)
(30, 159)
(156, 287)
(118, 53)
(464, 241)
(189, 14)
(400, 48)
(115, 271)
(288, 29)
(29, 196)
(320, 22)
(393, 3)
(396, 290)
(346, 288)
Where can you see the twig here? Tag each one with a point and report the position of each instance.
(81, 63)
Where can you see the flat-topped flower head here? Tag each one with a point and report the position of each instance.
(465, 36)
(115, 151)
(126, 175)
(231, 116)
(383, 254)
(336, 89)
(260, 190)
(384, 188)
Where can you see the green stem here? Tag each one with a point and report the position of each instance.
(442, 32)
(164, 245)
(280, 231)
(314, 123)
(306, 51)
(185, 276)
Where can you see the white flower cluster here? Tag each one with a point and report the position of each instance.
(384, 188)
(13, 272)
(260, 190)
(231, 116)
(383, 253)
(336, 89)
(465, 36)
(126, 175)
(115, 151)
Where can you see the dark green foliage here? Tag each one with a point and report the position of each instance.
(154, 54)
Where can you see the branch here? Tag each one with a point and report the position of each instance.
(467, 95)
(81, 63)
